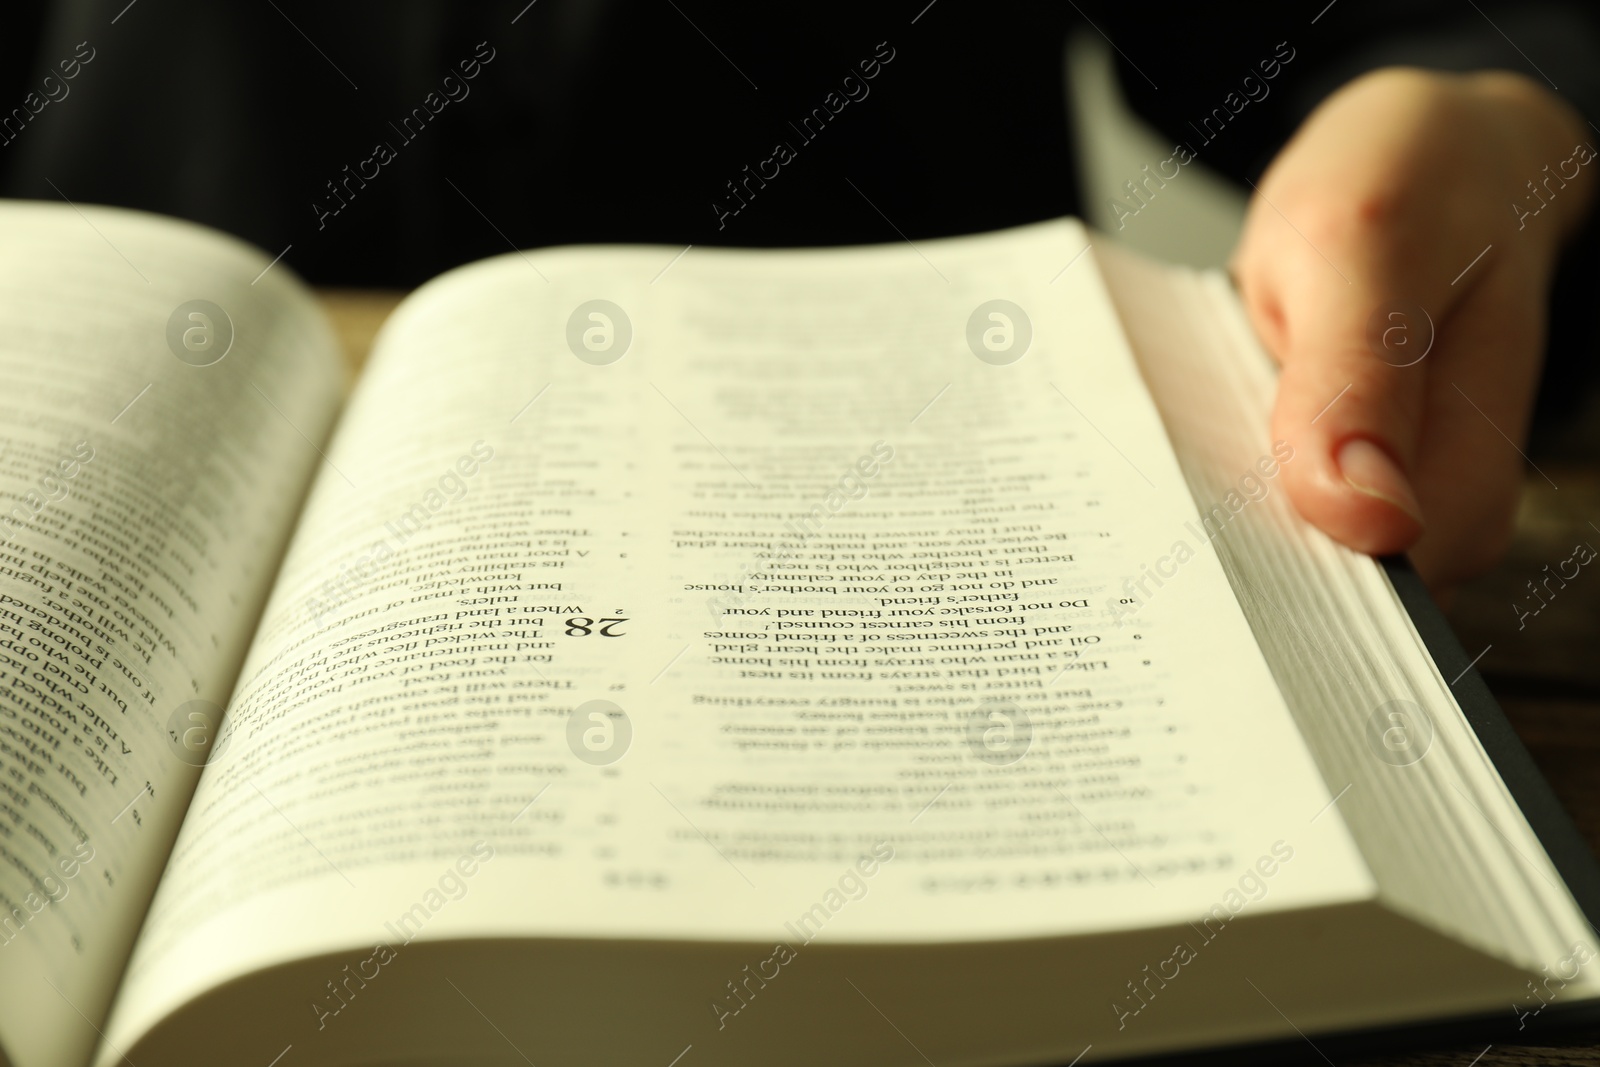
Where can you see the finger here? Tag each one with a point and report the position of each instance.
(1353, 415)
(1470, 471)
(1259, 296)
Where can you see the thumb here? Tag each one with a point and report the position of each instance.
(1350, 403)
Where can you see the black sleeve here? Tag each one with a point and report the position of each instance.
(22, 68)
(1256, 70)
(596, 121)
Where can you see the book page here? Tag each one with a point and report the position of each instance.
(146, 494)
(743, 596)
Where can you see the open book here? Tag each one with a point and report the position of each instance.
(882, 655)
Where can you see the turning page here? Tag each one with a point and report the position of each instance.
(161, 398)
(672, 593)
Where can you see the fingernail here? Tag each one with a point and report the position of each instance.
(1369, 470)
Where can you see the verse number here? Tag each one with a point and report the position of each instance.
(583, 626)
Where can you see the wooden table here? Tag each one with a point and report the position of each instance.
(1545, 671)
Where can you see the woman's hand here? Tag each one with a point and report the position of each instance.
(1404, 198)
